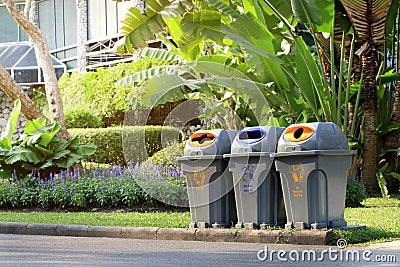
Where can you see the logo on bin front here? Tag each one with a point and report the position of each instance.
(199, 180)
(247, 178)
(297, 172)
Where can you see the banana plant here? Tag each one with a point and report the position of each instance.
(6, 138)
(252, 31)
(142, 27)
(38, 148)
(261, 67)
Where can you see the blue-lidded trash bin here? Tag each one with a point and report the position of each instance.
(258, 192)
(209, 182)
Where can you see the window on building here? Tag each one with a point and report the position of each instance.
(10, 31)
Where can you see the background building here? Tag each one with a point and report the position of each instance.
(80, 35)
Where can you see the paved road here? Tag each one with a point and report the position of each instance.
(22, 250)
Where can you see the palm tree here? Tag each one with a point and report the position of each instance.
(369, 20)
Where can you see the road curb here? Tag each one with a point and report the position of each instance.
(300, 237)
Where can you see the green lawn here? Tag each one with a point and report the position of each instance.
(381, 216)
(147, 219)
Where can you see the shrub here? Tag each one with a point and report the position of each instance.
(119, 145)
(167, 156)
(96, 91)
(355, 193)
(80, 118)
(38, 96)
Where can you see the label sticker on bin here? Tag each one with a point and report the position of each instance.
(297, 173)
(248, 178)
(199, 178)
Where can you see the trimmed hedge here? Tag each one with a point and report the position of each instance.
(119, 145)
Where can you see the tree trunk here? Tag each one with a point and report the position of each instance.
(14, 92)
(369, 158)
(27, 8)
(34, 13)
(82, 33)
(44, 60)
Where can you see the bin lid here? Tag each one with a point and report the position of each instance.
(257, 139)
(312, 136)
(209, 143)
(340, 152)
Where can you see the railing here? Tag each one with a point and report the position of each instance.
(99, 53)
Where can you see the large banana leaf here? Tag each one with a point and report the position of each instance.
(318, 12)
(214, 73)
(250, 29)
(24, 155)
(188, 47)
(6, 137)
(157, 53)
(38, 130)
(140, 28)
(252, 35)
(256, 95)
(253, 7)
(212, 68)
(203, 24)
(310, 81)
(161, 54)
(165, 88)
(150, 73)
(282, 6)
(224, 7)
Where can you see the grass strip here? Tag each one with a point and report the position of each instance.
(133, 219)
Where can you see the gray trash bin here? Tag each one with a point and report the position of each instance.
(313, 160)
(258, 192)
(209, 182)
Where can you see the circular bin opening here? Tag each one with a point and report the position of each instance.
(201, 139)
(298, 133)
(251, 135)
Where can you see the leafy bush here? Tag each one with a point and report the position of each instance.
(80, 118)
(167, 156)
(96, 91)
(119, 145)
(38, 96)
(98, 187)
(38, 149)
(355, 193)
